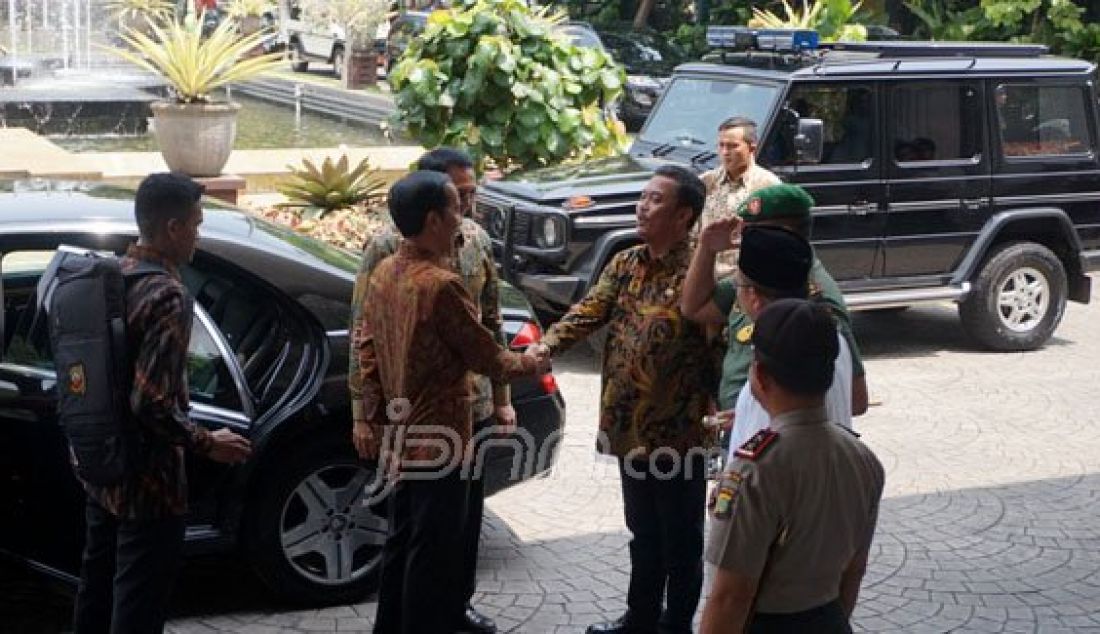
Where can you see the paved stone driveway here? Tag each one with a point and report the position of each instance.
(991, 520)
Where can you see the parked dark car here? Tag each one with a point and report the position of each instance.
(649, 59)
(406, 26)
(942, 172)
(268, 359)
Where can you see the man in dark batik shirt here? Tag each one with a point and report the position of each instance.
(135, 528)
(656, 384)
(418, 347)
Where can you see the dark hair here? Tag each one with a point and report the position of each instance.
(747, 125)
(444, 158)
(690, 190)
(415, 196)
(163, 196)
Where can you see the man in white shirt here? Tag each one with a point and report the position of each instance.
(774, 263)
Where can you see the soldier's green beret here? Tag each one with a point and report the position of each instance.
(776, 201)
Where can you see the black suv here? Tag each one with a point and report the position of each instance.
(942, 172)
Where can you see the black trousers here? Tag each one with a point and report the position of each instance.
(422, 583)
(127, 574)
(825, 619)
(664, 508)
(475, 512)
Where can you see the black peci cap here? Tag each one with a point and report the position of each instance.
(796, 341)
(775, 258)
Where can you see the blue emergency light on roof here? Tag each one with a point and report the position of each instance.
(745, 38)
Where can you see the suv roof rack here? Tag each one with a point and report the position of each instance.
(898, 48)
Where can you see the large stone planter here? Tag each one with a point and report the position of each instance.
(360, 69)
(195, 138)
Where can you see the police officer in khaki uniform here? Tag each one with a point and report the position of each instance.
(794, 514)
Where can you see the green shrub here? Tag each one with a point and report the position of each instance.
(493, 78)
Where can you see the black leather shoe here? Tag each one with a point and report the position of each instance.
(474, 622)
(619, 626)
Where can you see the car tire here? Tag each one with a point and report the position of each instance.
(297, 57)
(339, 65)
(1018, 298)
(309, 534)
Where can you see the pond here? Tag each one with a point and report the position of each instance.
(260, 125)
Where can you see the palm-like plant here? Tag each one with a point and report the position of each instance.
(334, 186)
(152, 10)
(195, 65)
(832, 18)
(239, 9)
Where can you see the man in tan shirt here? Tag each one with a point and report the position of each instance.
(794, 514)
(729, 184)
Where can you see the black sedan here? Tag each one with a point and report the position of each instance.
(268, 359)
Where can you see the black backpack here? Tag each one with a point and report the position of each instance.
(84, 294)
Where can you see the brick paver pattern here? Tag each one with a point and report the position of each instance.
(990, 523)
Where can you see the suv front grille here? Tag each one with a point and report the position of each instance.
(493, 218)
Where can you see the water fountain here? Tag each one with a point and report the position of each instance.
(55, 85)
(64, 86)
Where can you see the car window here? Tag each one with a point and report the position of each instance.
(936, 121)
(692, 108)
(641, 54)
(28, 342)
(262, 336)
(1042, 120)
(580, 35)
(847, 113)
(208, 375)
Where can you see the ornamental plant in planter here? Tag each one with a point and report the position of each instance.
(195, 133)
(138, 14)
(248, 14)
(358, 21)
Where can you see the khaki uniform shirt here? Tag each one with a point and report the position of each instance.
(724, 196)
(796, 515)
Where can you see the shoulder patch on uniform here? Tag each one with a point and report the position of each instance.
(754, 447)
(725, 494)
(744, 334)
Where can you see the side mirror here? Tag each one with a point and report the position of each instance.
(808, 141)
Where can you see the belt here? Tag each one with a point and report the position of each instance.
(824, 619)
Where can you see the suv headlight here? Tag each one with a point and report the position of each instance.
(549, 232)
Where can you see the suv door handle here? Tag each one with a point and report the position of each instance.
(862, 208)
(974, 204)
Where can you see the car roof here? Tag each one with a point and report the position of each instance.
(881, 65)
(267, 250)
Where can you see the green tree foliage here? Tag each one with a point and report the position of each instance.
(1061, 24)
(491, 76)
(833, 19)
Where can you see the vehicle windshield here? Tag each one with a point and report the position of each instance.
(644, 54)
(692, 108)
(580, 35)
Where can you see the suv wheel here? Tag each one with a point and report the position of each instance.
(338, 65)
(1018, 298)
(313, 536)
(297, 57)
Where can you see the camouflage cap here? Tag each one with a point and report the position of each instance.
(776, 201)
